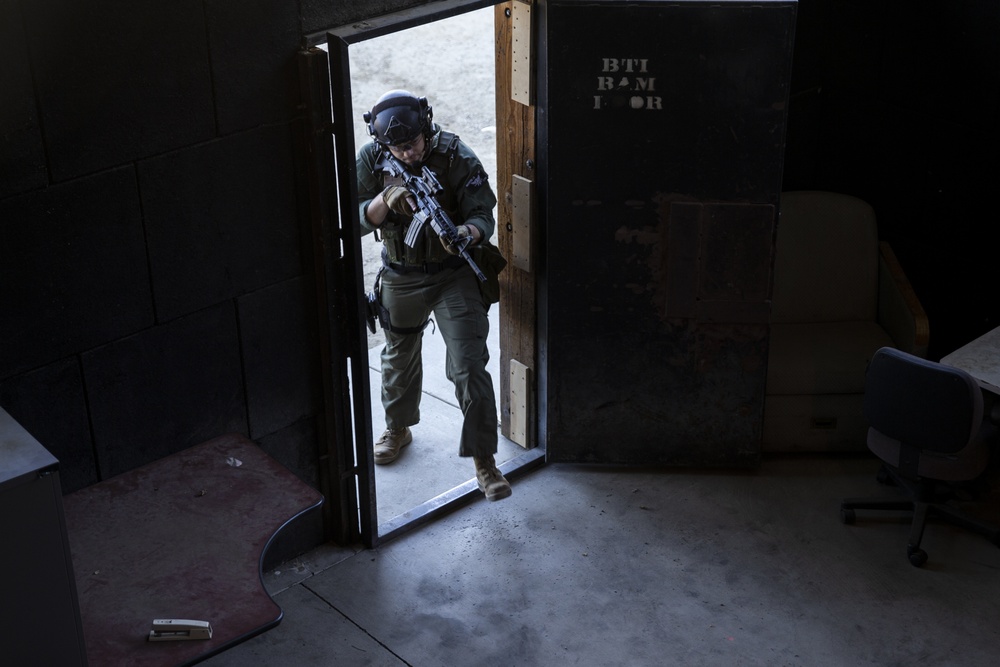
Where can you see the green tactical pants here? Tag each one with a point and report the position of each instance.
(461, 315)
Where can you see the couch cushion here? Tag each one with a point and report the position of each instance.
(826, 259)
(822, 357)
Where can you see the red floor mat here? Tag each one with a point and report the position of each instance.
(180, 538)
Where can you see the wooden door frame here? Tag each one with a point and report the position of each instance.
(515, 157)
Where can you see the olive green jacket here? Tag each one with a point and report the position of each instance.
(467, 198)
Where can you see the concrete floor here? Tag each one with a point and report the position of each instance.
(602, 566)
(610, 566)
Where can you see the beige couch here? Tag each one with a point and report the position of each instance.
(839, 295)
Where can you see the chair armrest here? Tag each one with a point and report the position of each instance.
(899, 309)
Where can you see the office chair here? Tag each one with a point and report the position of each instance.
(926, 425)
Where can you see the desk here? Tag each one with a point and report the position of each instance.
(39, 615)
(980, 359)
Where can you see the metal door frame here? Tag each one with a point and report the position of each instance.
(344, 429)
(329, 138)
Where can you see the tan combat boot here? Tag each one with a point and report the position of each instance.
(388, 446)
(491, 482)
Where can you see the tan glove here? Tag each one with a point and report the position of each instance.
(396, 197)
(463, 233)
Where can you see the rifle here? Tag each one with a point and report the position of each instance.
(425, 189)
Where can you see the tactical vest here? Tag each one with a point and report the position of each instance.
(393, 230)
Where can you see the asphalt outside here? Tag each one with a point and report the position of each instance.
(451, 63)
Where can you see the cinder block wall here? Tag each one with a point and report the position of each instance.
(153, 292)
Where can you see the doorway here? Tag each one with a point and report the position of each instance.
(451, 63)
(451, 60)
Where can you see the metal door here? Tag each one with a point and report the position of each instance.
(345, 429)
(661, 135)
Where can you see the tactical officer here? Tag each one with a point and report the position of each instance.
(415, 282)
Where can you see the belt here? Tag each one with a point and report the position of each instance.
(428, 267)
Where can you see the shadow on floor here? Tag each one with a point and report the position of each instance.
(605, 566)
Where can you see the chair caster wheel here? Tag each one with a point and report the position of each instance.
(847, 516)
(917, 556)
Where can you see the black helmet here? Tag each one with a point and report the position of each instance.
(398, 117)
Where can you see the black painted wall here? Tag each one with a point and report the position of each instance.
(899, 103)
(153, 292)
(153, 288)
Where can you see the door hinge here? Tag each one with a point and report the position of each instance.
(522, 70)
(521, 402)
(522, 214)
